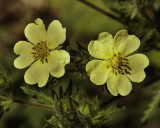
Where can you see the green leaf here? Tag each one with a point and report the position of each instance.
(148, 35)
(65, 104)
(64, 82)
(129, 8)
(154, 57)
(4, 80)
(69, 90)
(1, 80)
(60, 86)
(6, 104)
(103, 116)
(113, 4)
(56, 122)
(40, 96)
(85, 108)
(95, 103)
(152, 108)
(5, 91)
(134, 13)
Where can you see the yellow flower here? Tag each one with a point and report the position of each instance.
(40, 53)
(116, 64)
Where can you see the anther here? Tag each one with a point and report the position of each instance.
(41, 51)
(119, 64)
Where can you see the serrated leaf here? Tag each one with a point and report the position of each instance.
(6, 104)
(40, 96)
(152, 108)
(70, 87)
(148, 35)
(85, 108)
(134, 13)
(130, 9)
(95, 104)
(5, 91)
(4, 80)
(65, 103)
(61, 86)
(103, 116)
(64, 82)
(113, 4)
(1, 80)
(57, 122)
(55, 101)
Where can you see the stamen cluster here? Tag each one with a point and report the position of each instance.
(41, 51)
(119, 64)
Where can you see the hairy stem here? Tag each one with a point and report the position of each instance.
(35, 104)
(102, 11)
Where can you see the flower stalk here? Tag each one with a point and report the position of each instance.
(102, 11)
(35, 104)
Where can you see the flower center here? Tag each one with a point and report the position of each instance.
(41, 51)
(119, 64)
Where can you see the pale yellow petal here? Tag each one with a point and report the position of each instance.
(35, 32)
(98, 71)
(23, 49)
(103, 47)
(37, 73)
(137, 63)
(125, 43)
(56, 34)
(119, 84)
(57, 61)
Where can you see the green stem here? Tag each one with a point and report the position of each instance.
(44, 106)
(102, 11)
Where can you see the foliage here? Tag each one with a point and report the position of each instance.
(152, 108)
(5, 91)
(72, 100)
(105, 115)
(80, 111)
(40, 96)
(73, 109)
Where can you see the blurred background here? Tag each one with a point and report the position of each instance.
(83, 24)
